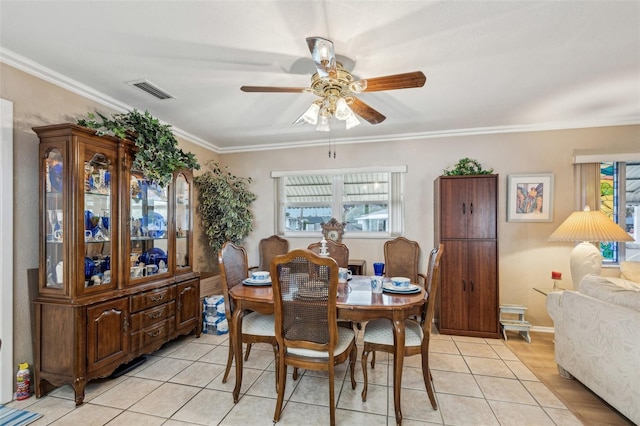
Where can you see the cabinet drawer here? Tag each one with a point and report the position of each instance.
(152, 298)
(151, 337)
(152, 316)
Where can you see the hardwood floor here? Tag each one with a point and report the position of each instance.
(587, 406)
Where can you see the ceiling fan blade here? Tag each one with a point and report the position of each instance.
(273, 89)
(323, 55)
(366, 112)
(397, 81)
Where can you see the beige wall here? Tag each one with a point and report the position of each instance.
(526, 258)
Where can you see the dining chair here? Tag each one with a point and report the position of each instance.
(337, 251)
(401, 258)
(378, 333)
(305, 289)
(256, 327)
(269, 248)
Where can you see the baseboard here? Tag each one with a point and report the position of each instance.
(540, 329)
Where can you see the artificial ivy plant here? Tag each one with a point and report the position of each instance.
(466, 166)
(224, 205)
(158, 154)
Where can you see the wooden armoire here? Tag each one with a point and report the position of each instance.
(466, 224)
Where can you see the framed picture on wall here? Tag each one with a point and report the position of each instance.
(530, 198)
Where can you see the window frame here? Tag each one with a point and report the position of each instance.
(395, 209)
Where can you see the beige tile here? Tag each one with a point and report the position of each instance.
(377, 375)
(213, 339)
(448, 362)
(169, 347)
(191, 351)
(562, 417)
(178, 423)
(296, 414)
(51, 408)
(507, 390)
(265, 386)
(128, 418)
(198, 374)
(376, 403)
(127, 393)
(455, 383)
(415, 406)
(208, 407)
(521, 415)
(464, 410)
(314, 390)
(505, 353)
(165, 400)
(88, 415)
(258, 358)
(249, 376)
(495, 342)
(521, 371)
(544, 396)
(251, 410)
(469, 339)
(412, 378)
(218, 355)
(477, 349)
(489, 367)
(164, 369)
(347, 417)
(443, 346)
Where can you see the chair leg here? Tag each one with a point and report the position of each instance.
(426, 375)
(229, 361)
(282, 379)
(275, 355)
(332, 402)
(373, 359)
(295, 373)
(365, 355)
(352, 365)
(246, 353)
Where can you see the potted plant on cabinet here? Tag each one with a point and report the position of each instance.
(158, 154)
(466, 166)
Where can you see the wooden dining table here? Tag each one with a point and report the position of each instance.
(355, 302)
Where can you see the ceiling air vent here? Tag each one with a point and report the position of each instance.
(150, 88)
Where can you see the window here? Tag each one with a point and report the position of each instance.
(368, 200)
(620, 200)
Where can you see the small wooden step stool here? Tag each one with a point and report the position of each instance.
(519, 324)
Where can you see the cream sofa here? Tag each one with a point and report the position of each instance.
(597, 339)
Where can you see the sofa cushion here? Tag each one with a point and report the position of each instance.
(604, 288)
(630, 271)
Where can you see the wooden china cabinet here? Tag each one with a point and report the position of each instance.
(466, 224)
(116, 278)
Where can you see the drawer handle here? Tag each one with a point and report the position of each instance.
(154, 333)
(154, 315)
(156, 298)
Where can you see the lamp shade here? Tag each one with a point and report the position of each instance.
(589, 226)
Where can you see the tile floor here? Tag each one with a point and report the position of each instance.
(477, 382)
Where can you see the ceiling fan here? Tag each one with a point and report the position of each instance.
(336, 88)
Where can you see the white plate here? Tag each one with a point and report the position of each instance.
(389, 287)
(251, 281)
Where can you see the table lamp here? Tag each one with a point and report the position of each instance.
(587, 226)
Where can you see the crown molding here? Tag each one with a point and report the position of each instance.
(24, 64)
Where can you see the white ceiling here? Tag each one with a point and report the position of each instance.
(491, 66)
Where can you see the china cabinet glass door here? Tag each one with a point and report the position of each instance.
(54, 220)
(97, 232)
(183, 222)
(148, 230)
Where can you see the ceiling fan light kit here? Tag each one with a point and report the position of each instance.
(335, 87)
